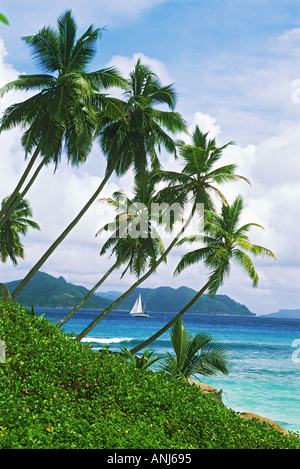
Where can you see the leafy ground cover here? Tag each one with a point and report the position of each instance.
(57, 393)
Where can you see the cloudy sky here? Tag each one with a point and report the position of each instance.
(236, 69)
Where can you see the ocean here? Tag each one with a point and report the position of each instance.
(265, 363)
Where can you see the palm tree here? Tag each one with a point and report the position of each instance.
(142, 363)
(135, 139)
(194, 192)
(61, 112)
(223, 241)
(121, 298)
(17, 224)
(129, 139)
(139, 249)
(195, 354)
(199, 178)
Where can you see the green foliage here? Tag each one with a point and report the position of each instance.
(44, 290)
(60, 114)
(198, 180)
(142, 362)
(135, 240)
(3, 19)
(194, 354)
(142, 130)
(57, 393)
(16, 225)
(224, 240)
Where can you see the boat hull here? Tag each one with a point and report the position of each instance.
(137, 315)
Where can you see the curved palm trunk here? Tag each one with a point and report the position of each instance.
(90, 293)
(20, 184)
(137, 283)
(170, 323)
(21, 196)
(52, 248)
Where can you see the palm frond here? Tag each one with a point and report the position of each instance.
(17, 224)
(191, 258)
(29, 83)
(45, 49)
(247, 265)
(195, 354)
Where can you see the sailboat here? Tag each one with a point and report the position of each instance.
(137, 309)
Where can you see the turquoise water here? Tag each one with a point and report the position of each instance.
(265, 372)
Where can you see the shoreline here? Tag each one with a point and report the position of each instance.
(208, 389)
(235, 390)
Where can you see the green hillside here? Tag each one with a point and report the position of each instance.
(44, 290)
(167, 299)
(59, 394)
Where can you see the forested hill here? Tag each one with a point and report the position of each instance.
(169, 299)
(44, 290)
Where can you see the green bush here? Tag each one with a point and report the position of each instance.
(58, 393)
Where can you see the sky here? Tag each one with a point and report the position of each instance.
(235, 66)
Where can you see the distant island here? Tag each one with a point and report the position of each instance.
(167, 299)
(47, 291)
(285, 313)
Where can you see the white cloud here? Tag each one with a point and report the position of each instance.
(7, 72)
(206, 123)
(111, 13)
(126, 65)
(271, 161)
(289, 40)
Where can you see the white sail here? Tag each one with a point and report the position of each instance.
(137, 309)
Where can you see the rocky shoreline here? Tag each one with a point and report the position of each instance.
(208, 389)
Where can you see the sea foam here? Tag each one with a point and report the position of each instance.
(112, 340)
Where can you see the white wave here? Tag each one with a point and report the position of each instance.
(112, 340)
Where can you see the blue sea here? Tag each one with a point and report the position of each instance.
(265, 363)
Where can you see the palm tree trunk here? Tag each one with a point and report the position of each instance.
(90, 293)
(21, 196)
(20, 183)
(49, 251)
(170, 323)
(138, 282)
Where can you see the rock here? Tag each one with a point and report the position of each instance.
(4, 293)
(250, 415)
(206, 388)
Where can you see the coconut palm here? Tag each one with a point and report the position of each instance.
(223, 241)
(194, 354)
(135, 240)
(135, 227)
(138, 282)
(17, 224)
(137, 137)
(194, 192)
(199, 179)
(131, 139)
(60, 113)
